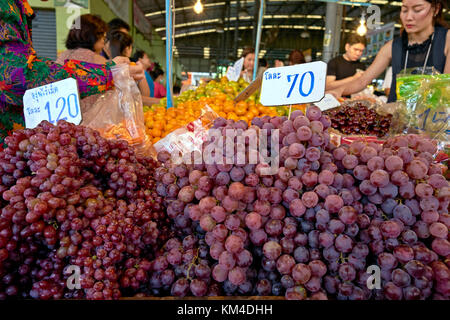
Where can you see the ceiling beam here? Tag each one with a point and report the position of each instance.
(249, 18)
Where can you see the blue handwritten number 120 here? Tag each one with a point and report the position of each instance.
(300, 88)
(58, 105)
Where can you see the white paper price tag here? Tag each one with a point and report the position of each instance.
(328, 102)
(303, 83)
(234, 72)
(53, 102)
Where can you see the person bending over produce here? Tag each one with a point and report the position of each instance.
(21, 69)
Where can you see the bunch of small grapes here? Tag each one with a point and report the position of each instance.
(360, 120)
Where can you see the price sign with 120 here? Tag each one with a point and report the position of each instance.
(303, 83)
(53, 102)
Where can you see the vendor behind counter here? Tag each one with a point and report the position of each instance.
(347, 67)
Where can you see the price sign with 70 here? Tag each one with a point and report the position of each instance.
(303, 83)
(52, 102)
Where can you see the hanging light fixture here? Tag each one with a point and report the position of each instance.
(198, 7)
(305, 35)
(362, 29)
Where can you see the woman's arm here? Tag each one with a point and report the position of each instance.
(382, 61)
(332, 83)
(92, 78)
(144, 88)
(148, 101)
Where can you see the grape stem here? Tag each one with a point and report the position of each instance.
(194, 260)
(342, 259)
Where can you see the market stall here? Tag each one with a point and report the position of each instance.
(279, 196)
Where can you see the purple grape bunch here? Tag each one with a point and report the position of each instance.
(312, 230)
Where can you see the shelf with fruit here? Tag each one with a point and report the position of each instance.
(141, 228)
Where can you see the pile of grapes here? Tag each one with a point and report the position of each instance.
(358, 119)
(313, 229)
(85, 217)
(72, 200)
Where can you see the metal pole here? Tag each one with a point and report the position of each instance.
(258, 38)
(337, 31)
(227, 41)
(169, 53)
(330, 25)
(236, 30)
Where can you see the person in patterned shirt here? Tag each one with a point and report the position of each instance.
(21, 69)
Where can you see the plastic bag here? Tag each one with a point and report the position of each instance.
(189, 139)
(119, 114)
(425, 100)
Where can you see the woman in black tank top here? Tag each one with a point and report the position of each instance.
(424, 42)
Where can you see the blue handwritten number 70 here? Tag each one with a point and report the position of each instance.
(300, 88)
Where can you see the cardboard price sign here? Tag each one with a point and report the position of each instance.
(52, 102)
(298, 84)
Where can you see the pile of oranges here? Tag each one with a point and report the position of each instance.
(218, 95)
(242, 110)
(160, 121)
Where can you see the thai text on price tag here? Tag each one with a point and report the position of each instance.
(303, 83)
(52, 102)
(234, 72)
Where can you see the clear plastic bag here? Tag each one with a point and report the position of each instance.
(424, 105)
(185, 141)
(119, 114)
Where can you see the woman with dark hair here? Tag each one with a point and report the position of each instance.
(91, 34)
(296, 57)
(141, 57)
(120, 44)
(114, 25)
(21, 69)
(85, 44)
(158, 76)
(424, 42)
(249, 64)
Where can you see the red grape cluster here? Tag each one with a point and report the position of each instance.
(312, 230)
(72, 198)
(358, 119)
